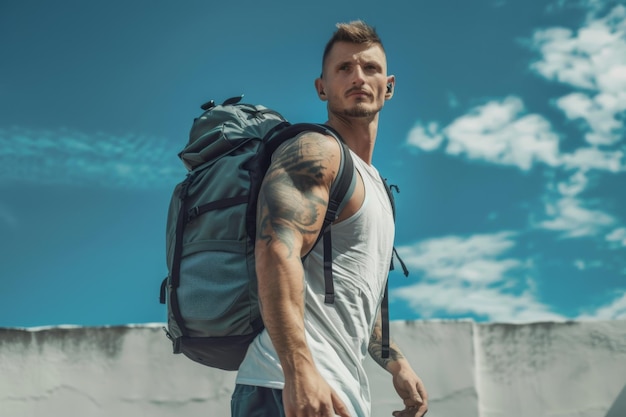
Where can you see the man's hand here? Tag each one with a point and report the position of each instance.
(411, 389)
(309, 395)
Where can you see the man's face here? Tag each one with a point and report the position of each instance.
(355, 80)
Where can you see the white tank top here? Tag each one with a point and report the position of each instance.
(338, 334)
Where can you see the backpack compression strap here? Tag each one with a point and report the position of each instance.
(384, 308)
(178, 250)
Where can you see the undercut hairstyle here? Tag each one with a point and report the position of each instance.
(357, 32)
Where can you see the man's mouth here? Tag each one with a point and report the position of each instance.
(357, 92)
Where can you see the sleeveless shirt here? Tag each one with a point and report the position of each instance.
(338, 334)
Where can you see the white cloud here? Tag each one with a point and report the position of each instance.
(427, 138)
(463, 275)
(498, 132)
(583, 58)
(593, 61)
(599, 113)
(594, 158)
(569, 216)
(615, 310)
(432, 299)
(584, 265)
(466, 259)
(617, 237)
(71, 157)
(575, 185)
(558, 62)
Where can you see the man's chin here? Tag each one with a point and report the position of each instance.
(360, 111)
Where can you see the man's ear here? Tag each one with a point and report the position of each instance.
(391, 86)
(319, 87)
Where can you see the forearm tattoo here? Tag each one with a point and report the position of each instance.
(288, 203)
(375, 348)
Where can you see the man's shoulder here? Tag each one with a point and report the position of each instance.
(321, 141)
(309, 146)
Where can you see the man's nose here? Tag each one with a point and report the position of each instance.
(358, 76)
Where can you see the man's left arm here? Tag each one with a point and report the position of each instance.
(408, 385)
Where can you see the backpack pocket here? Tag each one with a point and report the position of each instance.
(217, 293)
(218, 352)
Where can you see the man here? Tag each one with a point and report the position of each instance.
(308, 360)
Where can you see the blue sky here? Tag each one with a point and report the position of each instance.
(505, 136)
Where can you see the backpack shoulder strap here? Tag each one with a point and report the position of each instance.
(392, 200)
(343, 187)
(384, 308)
(340, 192)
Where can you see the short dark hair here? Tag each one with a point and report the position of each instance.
(357, 32)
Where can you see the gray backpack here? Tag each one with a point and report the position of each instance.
(211, 287)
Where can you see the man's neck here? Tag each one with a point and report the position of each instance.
(358, 133)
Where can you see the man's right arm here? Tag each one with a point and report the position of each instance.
(291, 207)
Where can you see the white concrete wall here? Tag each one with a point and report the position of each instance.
(471, 370)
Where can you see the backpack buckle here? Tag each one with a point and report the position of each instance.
(208, 105)
(192, 213)
(167, 334)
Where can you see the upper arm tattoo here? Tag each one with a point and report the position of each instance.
(290, 201)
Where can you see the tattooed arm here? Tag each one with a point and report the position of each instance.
(407, 384)
(375, 347)
(291, 207)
